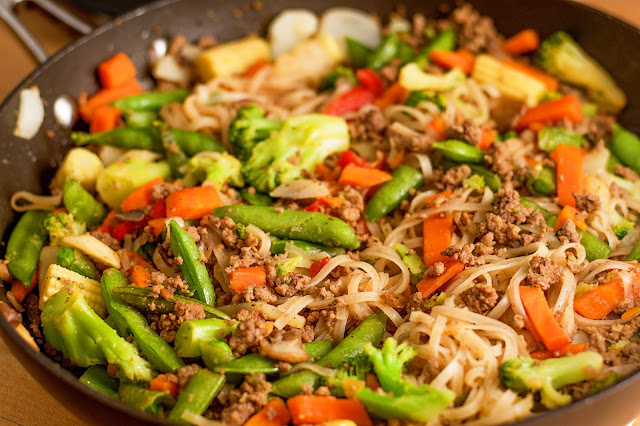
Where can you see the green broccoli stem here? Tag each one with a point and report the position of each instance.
(412, 261)
(96, 377)
(25, 243)
(143, 399)
(419, 407)
(191, 335)
(81, 204)
(197, 395)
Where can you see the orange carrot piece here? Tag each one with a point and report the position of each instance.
(141, 197)
(362, 176)
(20, 291)
(572, 214)
(397, 160)
(157, 225)
(430, 285)
(574, 348)
(116, 71)
(242, 278)
(544, 323)
(333, 202)
(550, 112)
(161, 383)
(444, 194)
(599, 302)
(569, 173)
(550, 82)
(255, 67)
(461, 58)
(488, 137)
(436, 232)
(524, 42)
(395, 94)
(107, 223)
(193, 203)
(275, 413)
(140, 276)
(630, 313)
(106, 97)
(439, 126)
(104, 118)
(136, 259)
(320, 409)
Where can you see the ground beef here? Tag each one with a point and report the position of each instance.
(389, 72)
(542, 273)
(501, 164)
(409, 140)
(435, 270)
(507, 205)
(166, 325)
(466, 254)
(595, 128)
(163, 190)
(369, 125)
(452, 178)
(626, 173)
(261, 293)
(480, 298)
(183, 375)
(241, 403)
(107, 239)
(601, 337)
(466, 131)
(568, 233)
(166, 287)
(589, 202)
(476, 33)
(250, 331)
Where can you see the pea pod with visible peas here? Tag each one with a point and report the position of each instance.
(460, 152)
(197, 395)
(151, 101)
(26, 241)
(280, 246)
(194, 272)
(392, 193)
(76, 261)
(294, 224)
(81, 204)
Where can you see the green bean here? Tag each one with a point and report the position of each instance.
(294, 224)
(145, 299)
(216, 353)
(174, 154)
(151, 101)
(444, 40)
(635, 253)
(191, 335)
(404, 180)
(96, 377)
(193, 270)
(81, 204)
(460, 152)
(358, 53)
(76, 261)
(384, 53)
(550, 137)
(26, 241)
(129, 320)
(280, 246)
(143, 399)
(319, 348)
(544, 183)
(197, 395)
(626, 146)
(255, 198)
(350, 348)
(594, 247)
(139, 119)
(249, 364)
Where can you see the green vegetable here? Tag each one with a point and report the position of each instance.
(544, 183)
(444, 40)
(490, 179)
(509, 134)
(358, 53)
(255, 198)
(460, 152)
(384, 53)
(151, 101)
(412, 77)
(26, 241)
(408, 400)
(216, 353)
(404, 180)
(120, 179)
(71, 326)
(621, 225)
(289, 265)
(562, 57)
(143, 399)
(626, 147)
(319, 348)
(611, 163)
(194, 333)
(550, 137)
(241, 230)
(308, 139)
(282, 246)
(475, 182)
(61, 225)
(550, 96)
(249, 364)
(370, 330)
(549, 217)
(594, 247)
(610, 379)
(215, 167)
(76, 261)
(197, 395)
(416, 97)
(81, 204)
(175, 156)
(193, 270)
(129, 321)
(143, 298)
(635, 253)
(547, 376)
(294, 224)
(96, 377)
(329, 82)
(140, 118)
(250, 127)
(589, 109)
(412, 261)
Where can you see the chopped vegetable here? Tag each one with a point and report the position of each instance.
(320, 409)
(523, 42)
(275, 413)
(363, 177)
(232, 57)
(544, 323)
(461, 59)
(30, 114)
(25, 243)
(81, 165)
(116, 71)
(94, 248)
(550, 137)
(570, 213)
(241, 278)
(551, 112)
(411, 77)
(436, 231)
(193, 203)
(61, 225)
(601, 301)
(104, 118)
(106, 97)
(569, 160)
(343, 22)
(430, 284)
(250, 127)
(289, 28)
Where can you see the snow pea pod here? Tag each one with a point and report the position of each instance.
(626, 146)
(444, 40)
(172, 151)
(197, 395)
(280, 246)
(142, 399)
(216, 353)
(635, 253)
(255, 198)
(358, 53)
(384, 53)
(249, 364)
(81, 204)
(392, 193)
(460, 152)
(544, 183)
(25, 243)
(319, 348)
(76, 261)
(294, 224)
(151, 101)
(96, 377)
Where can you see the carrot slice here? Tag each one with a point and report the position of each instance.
(275, 413)
(436, 232)
(161, 383)
(572, 214)
(461, 58)
(550, 82)
(157, 225)
(569, 173)
(116, 71)
(362, 176)
(193, 203)
(140, 276)
(550, 112)
(313, 409)
(20, 291)
(242, 278)
(429, 285)
(524, 42)
(141, 197)
(106, 97)
(488, 137)
(395, 94)
(104, 118)
(439, 126)
(599, 302)
(544, 323)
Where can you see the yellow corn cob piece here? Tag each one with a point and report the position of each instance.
(58, 277)
(509, 81)
(232, 58)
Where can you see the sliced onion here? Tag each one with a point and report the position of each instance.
(169, 69)
(30, 113)
(299, 189)
(343, 22)
(110, 154)
(284, 350)
(289, 28)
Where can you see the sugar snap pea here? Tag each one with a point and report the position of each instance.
(143, 399)
(358, 53)
(96, 377)
(129, 320)
(26, 241)
(193, 270)
(544, 183)
(216, 353)
(176, 157)
(76, 261)
(392, 193)
(384, 53)
(319, 348)
(255, 198)
(460, 152)
(626, 146)
(280, 246)
(191, 335)
(81, 204)
(249, 364)
(444, 40)
(197, 395)
(151, 101)
(139, 118)
(635, 253)
(294, 224)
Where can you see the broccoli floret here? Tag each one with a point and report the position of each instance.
(474, 182)
(562, 57)
(330, 80)
(621, 225)
(216, 167)
(289, 265)
(405, 400)
(241, 230)
(61, 225)
(528, 375)
(72, 327)
(303, 142)
(416, 97)
(349, 377)
(250, 127)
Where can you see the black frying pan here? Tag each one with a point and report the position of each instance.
(28, 165)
